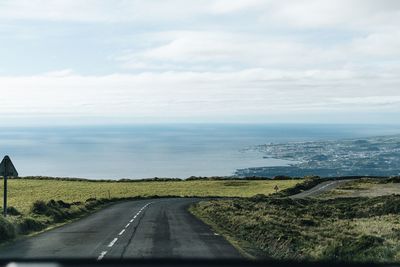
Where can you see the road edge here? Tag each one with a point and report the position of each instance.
(241, 246)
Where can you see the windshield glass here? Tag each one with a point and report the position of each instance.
(207, 129)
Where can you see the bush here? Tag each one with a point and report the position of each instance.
(282, 177)
(363, 248)
(307, 184)
(7, 230)
(57, 210)
(29, 224)
(259, 197)
(63, 204)
(13, 211)
(395, 179)
(91, 204)
(40, 207)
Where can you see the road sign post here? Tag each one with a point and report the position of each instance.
(5, 197)
(7, 169)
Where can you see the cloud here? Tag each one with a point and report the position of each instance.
(230, 6)
(210, 59)
(297, 13)
(371, 100)
(99, 10)
(381, 45)
(213, 50)
(210, 35)
(208, 50)
(256, 93)
(59, 73)
(343, 14)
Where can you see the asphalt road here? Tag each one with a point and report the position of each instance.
(159, 228)
(321, 188)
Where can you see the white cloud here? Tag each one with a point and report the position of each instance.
(371, 100)
(99, 10)
(202, 59)
(344, 14)
(256, 93)
(229, 6)
(212, 50)
(298, 13)
(381, 45)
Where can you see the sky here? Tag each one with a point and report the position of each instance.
(85, 62)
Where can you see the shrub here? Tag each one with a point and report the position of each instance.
(55, 209)
(40, 207)
(282, 177)
(63, 204)
(7, 230)
(13, 211)
(395, 179)
(307, 184)
(363, 248)
(29, 224)
(91, 204)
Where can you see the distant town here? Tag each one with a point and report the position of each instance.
(375, 156)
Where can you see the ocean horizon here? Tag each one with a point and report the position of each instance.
(160, 150)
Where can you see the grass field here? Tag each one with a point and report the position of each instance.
(342, 229)
(366, 187)
(23, 192)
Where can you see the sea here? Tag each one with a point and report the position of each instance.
(160, 150)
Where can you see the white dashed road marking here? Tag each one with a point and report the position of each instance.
(112, 242)
(103, 253)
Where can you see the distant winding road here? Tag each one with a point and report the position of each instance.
(159, 228)
(321, 188)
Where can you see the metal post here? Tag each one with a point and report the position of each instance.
(5, 189)
(5, 197)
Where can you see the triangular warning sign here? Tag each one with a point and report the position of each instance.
(7, 168)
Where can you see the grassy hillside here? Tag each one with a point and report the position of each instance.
(342, 229)
(24, 192)
(366, 187)
(35, 204)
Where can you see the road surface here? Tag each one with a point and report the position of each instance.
(321, 188)
(158, 228)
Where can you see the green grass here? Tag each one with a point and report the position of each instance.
(344, 229)
(366, 187)
(38, 203)
(24, 192)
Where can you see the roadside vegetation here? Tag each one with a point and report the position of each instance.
(24, 192)
(36, 203)
(351, 229)
(366, 187)
(306, 184)
(43, 214)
